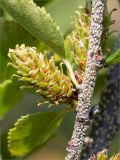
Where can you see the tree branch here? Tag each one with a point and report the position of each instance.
(106, 124)
(93, 64)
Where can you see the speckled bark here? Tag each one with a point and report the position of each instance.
(86, 89)
(107, 124)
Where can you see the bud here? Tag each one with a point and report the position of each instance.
(79, 37)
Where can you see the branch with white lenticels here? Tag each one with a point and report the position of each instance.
(107, 123)
(85, 90)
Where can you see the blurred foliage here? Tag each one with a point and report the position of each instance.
(11, 33)
(115, 157)
(100, 85)
(103, 156)
(115, 146)
(42, 2)
(31, 131)
(113, 59)
(5, 92)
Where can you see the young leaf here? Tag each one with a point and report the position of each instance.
(37, 21)
(10, 95)
(31, 131)
(113, 59)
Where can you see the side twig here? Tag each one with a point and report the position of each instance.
(85, 91)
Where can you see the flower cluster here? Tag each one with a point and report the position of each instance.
(79, 37)
(34, 68)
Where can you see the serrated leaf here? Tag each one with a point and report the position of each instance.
(113, 59)
(10, 95)
(5, 154)
(37, 21)
(31, 131)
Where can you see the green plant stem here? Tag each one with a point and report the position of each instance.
(72, 76)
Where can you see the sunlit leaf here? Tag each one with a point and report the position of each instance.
(114, 58)
(10, 95)
(31, 131)
(37, 21)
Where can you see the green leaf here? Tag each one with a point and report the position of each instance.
(113, 59)
(32, 131)
(10, 95)
(37, 21)
(5, 154)
(11, 33)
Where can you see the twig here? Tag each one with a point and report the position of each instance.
(107, 124)
(94, 59)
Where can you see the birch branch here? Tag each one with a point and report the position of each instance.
(85, 90)
(107, 123)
